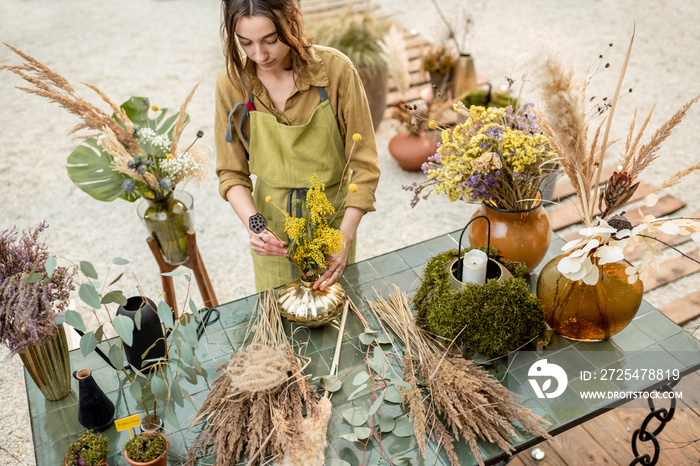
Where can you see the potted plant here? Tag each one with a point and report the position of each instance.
(162, 379)
(33, 291)
(90, 449)
(147, 449)
(357, 35)
(439, 63)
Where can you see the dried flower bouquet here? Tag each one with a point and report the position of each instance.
(137, 152)
(473, 403)
(605, 236)
(256, 403)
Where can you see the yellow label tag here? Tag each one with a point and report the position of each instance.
(127, 422)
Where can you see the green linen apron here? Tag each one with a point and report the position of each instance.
(284, 158)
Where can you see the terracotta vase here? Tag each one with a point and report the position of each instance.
(48, 364)
(162, 460)
(521, 235)
(589, 312)
(167, 220)
(301, 304)
(411, 150)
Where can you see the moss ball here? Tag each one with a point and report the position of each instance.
(497, 317)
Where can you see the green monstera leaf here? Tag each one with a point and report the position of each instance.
(136, 108)
(89, 169)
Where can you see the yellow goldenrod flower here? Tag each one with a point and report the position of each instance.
(432, 124)
(352, 188)
(357, 137)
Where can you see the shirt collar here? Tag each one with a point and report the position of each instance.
(313, 74)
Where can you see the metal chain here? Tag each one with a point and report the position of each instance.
(664, 416)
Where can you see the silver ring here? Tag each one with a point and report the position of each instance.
(336, 270)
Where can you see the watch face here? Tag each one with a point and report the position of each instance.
(257, 223)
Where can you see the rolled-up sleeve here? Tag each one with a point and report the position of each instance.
(231, 161)
(355, 118)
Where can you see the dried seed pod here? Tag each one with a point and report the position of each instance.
(257, 223)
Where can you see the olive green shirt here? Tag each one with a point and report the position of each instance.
(326, 68)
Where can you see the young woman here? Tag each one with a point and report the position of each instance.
(284, 112)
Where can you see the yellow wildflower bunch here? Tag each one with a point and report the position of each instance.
(496, 156)
(312, 237)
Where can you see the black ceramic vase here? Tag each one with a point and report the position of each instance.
(149, 337)
(95, 410)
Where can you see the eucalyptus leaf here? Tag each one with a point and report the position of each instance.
(377, 403)
(116, 356)
(159, 388)
(88, 270)
(88, 343)
(187, 355)
(190, 375)
(351, 437)
(383, 339)
(331, 383)
(99, 332)
(50, 266)
(403, 461)
(360, 378)
(362, 432)
(116, 279)
(176, 393)
(119, 261)
(338, 461)
(356, 416)
(392, 395)
(191, 335)
(171, 418)
(366, 338)
(386, 422)
(137, 318)
(136, 389)
(88, 294)
(193, 307)
(400, 383)
(115, 296)
(33, 277)
(403, 428)
(124, 328)
(356, 392)
(74, 319)
(379, 359)
(174, 273)
(166, 314)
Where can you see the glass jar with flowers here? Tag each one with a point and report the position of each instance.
(498, 157)
(136, 155)
(590, 292)
(33, 292)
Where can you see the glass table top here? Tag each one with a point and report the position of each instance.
(650, 342)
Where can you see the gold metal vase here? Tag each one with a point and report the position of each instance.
(48, 363)
(301, 304)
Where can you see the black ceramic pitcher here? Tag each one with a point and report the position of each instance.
(95, 410)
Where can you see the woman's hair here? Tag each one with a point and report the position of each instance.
(284, 14)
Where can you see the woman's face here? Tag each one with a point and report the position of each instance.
(260, 42)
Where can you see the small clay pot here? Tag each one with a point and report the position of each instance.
(411, 150)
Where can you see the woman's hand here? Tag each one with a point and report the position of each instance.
(336, 266)
(266, 244)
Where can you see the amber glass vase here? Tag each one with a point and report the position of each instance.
(521, 235)
(168, 219)
(301, 304)
(589, 312)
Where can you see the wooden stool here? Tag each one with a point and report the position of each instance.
(194, 262)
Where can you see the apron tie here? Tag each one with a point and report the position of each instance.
(247, 107)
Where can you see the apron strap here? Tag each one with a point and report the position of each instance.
(247, 107)
(295, 193)
(322, 93)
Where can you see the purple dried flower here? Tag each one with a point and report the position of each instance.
(27, 307)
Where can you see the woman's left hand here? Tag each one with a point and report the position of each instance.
(336, 266)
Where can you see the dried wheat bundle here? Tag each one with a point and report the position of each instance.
(256, 405)
(473, 403)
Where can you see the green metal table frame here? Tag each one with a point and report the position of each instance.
(651, 340)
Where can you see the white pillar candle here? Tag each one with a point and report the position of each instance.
(474, 267)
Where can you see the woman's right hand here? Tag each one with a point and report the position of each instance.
(266, 244)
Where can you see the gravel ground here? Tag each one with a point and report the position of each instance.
(159, 49)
